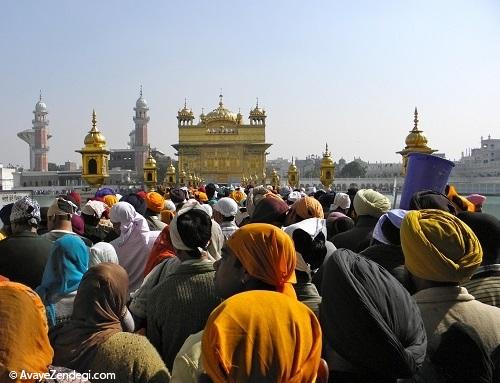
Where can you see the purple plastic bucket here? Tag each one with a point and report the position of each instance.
(424, 172)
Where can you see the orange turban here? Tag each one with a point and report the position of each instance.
(260, 336)
(166, 216)
(267, 253)
(201, 196)
(110, 199)
(439, 247)
(304, 208)
(155, 202)
(24, 340)
(238, 196)
(462, 202)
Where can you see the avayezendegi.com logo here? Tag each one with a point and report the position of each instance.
(58, 375)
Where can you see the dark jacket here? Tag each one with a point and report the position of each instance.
(358, 238)
(23, 257)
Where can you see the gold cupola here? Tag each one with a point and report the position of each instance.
(293, 175)
(95, 156)
(327, 169)
(220, 115)
(182, 177)
(170, 176)
(275, 180)
(185, 116)
(257, 115)
(416, 142)
(150, 172)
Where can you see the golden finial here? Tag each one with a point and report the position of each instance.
(292, 160)
(94, 119)
(220, 97)
(185, 103)
(257, 103)
(40, 99)
(140, 92)
(415, 119)
(327, 153)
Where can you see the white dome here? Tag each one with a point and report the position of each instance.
(141, 103)
(40, 106)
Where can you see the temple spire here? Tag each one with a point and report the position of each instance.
(185, 102)
(94, 119)
(220, 97)
(140, 91)
(257, 103)
(40, 98)
(415, 120)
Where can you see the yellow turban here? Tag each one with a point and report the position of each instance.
(155, 202)
(110, 199)
(370, 202)
(439, 247)
(304, 208)
(267, 253)
(238, 196)
(258, 336)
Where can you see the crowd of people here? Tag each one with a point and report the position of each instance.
(251, 284)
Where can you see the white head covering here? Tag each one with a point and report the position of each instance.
(227, 207)
(395, 216)
(94, 208)
(175, 237)
(102, 252)
(169, 205)
(312, 226)
(208, 209)
(132, 246)
(341, 200)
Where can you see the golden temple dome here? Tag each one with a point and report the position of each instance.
(416, 141)
(95, 137)
(220, 114)
(171, 168)
(327, 158)
(185, 112)
(257, 112)
(416, 138)
(150, 161)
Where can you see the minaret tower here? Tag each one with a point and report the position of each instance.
(141, 120)
(40, 125)
(37, 137)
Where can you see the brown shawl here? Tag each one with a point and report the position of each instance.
(98, 307)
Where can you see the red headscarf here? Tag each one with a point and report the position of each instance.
(162, 248)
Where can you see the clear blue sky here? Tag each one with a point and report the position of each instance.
(346, 72)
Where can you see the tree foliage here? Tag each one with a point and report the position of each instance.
(352, 170)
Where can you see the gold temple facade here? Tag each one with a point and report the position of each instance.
(220, 148)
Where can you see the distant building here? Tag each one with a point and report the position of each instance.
(483, 161)
(6, 177)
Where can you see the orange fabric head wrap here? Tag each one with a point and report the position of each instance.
(267, 253)
(155, 202)
(259, 336)
(24, 340)
(304, 208)
(110, 199)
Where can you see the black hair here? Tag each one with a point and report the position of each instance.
(391, 232)
(195, 230)
(90, 220)
(338, 226)
(313, 250)
(210, 190)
